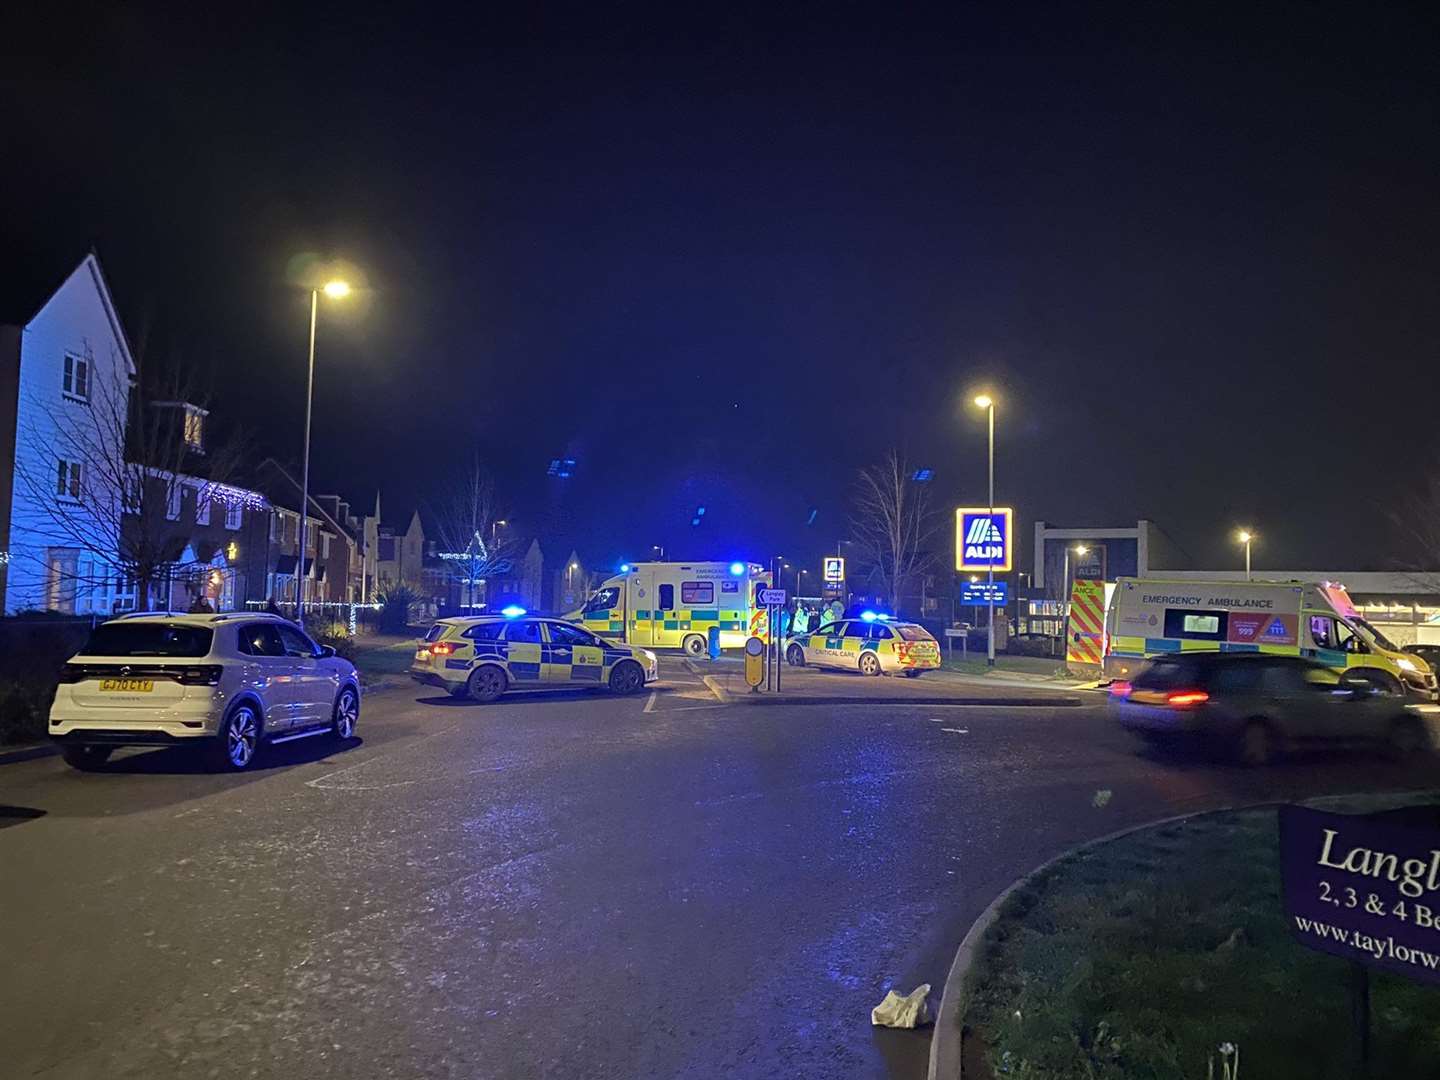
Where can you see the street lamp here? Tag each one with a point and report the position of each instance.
(495, 527)
(1079, 549)
(984, 401)
(1245, 536)
(658, 550)
(335, 290)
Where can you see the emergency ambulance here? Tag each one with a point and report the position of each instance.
(674, 605)
(1148, 618)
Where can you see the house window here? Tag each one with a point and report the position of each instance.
(202, 506)
(173, 498)
(76, 383)
(324, 545)
(69, 479)
(233, 511)
(194, 429)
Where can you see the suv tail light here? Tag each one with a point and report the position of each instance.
(1182, 698)
(201, 675)
(72, 673)
(444, 648)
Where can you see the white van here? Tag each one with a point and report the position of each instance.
(671, 604)
(1153, 617)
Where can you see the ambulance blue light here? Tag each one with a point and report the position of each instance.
(737, 569)
(624, 567)
(512, 611)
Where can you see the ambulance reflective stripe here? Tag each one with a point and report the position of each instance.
(1086, 629)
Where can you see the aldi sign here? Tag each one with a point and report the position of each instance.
(984, 538)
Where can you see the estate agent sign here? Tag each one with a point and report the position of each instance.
(1365, 887)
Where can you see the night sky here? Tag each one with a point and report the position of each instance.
(725, 257)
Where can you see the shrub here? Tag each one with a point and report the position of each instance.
(24, 709)
(395, 610)
(337, 636)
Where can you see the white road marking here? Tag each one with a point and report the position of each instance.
(956, 730)
(650, 703)
(716, 689)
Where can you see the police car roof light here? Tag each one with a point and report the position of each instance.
(513, 611)
(869, 616)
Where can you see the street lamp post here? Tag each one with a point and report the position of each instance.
(336, 290)
(986, 402)
(1245, 536)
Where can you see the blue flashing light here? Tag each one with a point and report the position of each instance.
(869, 616)
(512, 611)
(923, 476)
(737, 569)
(624, 567)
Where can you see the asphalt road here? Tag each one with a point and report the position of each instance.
(560, 886)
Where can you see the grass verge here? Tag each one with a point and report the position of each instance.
(382, 659)
(1139, 957)
(1023, 665)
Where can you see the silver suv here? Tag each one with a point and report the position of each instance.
(220, 683)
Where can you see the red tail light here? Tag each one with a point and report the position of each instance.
(1120, 688)
(1181, 698)
(201, 675)
(444, 648)
(72, 673)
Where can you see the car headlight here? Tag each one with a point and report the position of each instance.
(1406, 665)
(649, 656)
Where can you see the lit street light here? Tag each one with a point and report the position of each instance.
(1245, 536)
(336, 290)
(1079, 549)
(984, 401)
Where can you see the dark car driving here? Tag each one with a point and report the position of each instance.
(1257, 706)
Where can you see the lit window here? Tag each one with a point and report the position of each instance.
(194, 429)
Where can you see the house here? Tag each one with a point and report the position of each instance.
(570, 585)
(521, 581)
(65, 380)
(330, 570)
(392, 557)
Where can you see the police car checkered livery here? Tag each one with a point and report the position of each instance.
(482, 657)
(871, 645)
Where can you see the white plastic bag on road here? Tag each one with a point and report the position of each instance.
(902, 1012)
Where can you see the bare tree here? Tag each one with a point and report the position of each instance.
(465, 523)
(892, 522)
(1419, 522)
(103, 477)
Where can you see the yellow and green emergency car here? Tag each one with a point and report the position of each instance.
(872, 645)
(483, 656)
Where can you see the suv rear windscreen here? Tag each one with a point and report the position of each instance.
(914, 633)
(1164, 674)
(435, 631)
(148, 639)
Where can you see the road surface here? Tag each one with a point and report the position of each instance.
(553, 886)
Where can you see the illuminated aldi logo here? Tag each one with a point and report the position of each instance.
(983, 539)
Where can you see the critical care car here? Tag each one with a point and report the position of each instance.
(481, 657)
(871, 645)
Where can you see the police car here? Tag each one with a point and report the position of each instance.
(483, 656)
(872, 645)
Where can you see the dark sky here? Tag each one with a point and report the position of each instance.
(726, 257)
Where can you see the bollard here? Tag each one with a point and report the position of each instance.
(714, 643)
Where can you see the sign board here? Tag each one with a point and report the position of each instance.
(980, 592)
(834, 569)
(984, 540)
(1365, 886)
(771, 597)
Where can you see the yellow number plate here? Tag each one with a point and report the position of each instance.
(132, 686)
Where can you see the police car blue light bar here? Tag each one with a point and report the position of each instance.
(512, 611)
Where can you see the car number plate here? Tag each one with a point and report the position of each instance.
(131, 686)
